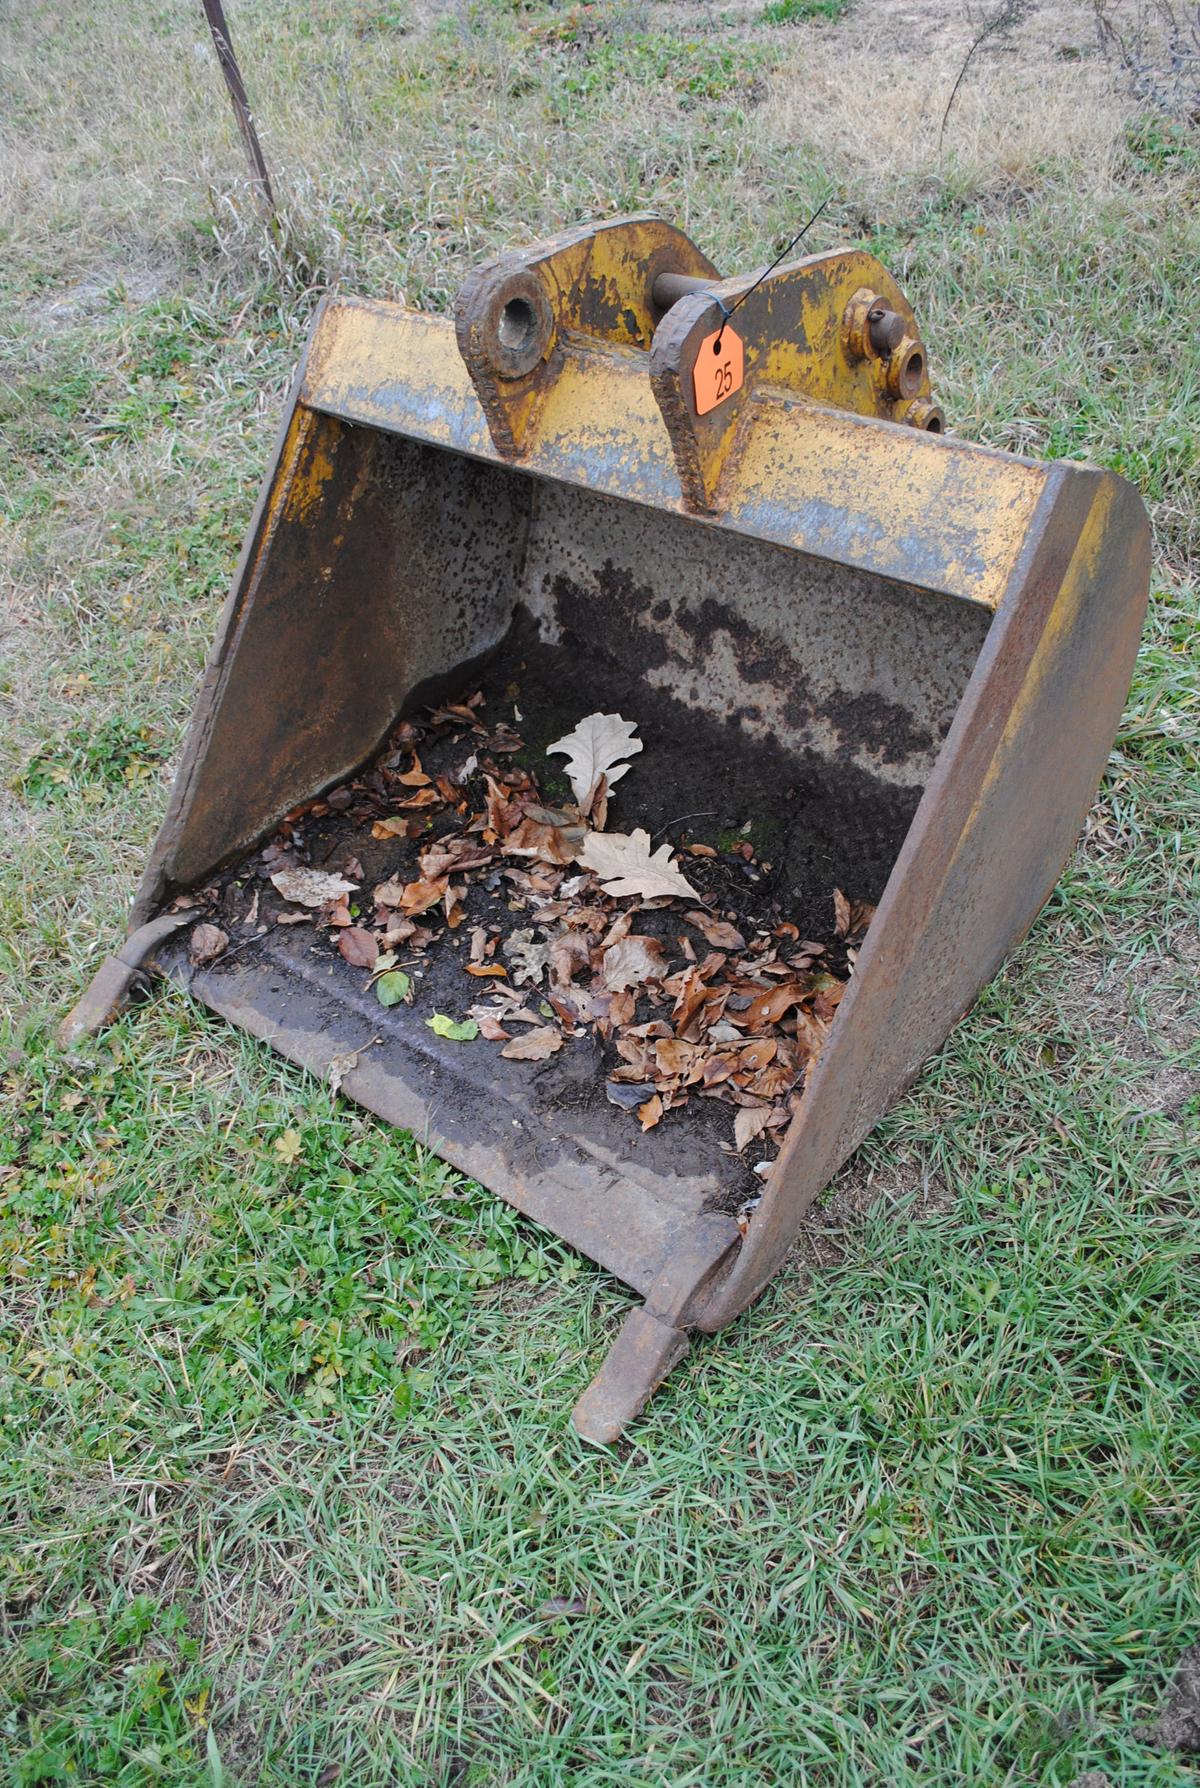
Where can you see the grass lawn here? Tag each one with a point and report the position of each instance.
(286, 1491)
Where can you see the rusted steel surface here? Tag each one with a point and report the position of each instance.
(955, 626)
(794, 329)
(314, 665)
(581, 1169)
(118, 978)
(369, 574)
(999, 818)
(515, 316)
(645, 1350)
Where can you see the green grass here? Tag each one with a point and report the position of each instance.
(286, 1491)
(793, 12)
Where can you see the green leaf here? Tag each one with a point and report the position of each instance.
(392, 987)
(215, 1769)
(464, 1032)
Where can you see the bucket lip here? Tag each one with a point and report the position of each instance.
(636, 1223)
(866, 492)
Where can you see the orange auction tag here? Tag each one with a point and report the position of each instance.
(719, 370)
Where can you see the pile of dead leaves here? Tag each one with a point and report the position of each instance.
(613, 939)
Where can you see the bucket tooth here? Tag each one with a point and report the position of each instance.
(118, 978)
(910, 652)
(645, 1350)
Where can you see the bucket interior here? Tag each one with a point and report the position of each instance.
(784, 700)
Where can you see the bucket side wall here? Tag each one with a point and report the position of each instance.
(378, 566)
(989, 840)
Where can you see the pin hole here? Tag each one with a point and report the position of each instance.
(518, 324)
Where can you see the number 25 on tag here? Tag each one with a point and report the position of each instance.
(720, 369)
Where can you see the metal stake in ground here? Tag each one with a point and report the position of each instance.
(215, 15)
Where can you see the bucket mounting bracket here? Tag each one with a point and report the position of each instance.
(832, 328)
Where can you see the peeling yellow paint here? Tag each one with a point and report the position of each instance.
(927, 510)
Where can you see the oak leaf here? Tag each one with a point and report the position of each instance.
(311, 887)
(595, 750)
(529, 959)
(632, 961)
(628, 869)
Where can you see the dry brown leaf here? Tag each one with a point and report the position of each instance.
(206, 943)
(483, 969)
(396, 827)
(451, 856)
(628, 869)
(597, 807)
(830, 994)
(811, 1033)
(717, 1069)
(650, 1112)
(593, 751)
(621, 926)
(774, 1081)
(398, 931)
(535, 838)
(769, 1006)
(569, 952)
(688, 998)
(454, 904)
(632, 961)
(680, 1061)
(621, 1008)
(311, 887)
(490, 1026)
(750, 1121)
(359, 947)
(851, 917)
(717, 932)
(534, 1046)
(530, 960)
(341, 1065)
(416, 777)
(418, 896)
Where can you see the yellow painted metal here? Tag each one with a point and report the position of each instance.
(945, 516)
(798, 341)
(596, 282)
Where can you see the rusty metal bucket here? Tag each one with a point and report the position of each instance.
(921, 646)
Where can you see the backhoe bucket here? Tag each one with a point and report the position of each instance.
(861, 656)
